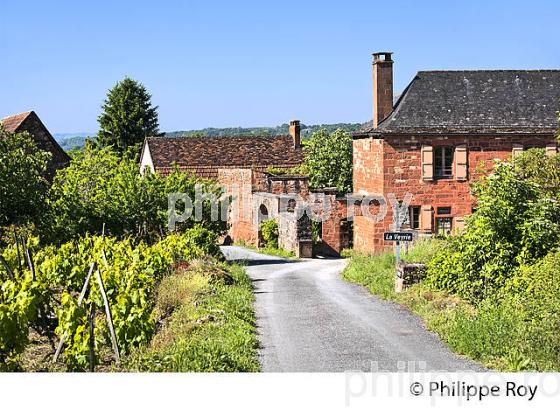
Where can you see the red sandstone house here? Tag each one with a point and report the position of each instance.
(30, 122)
(239, 164)
(204, 156)
(443, 126)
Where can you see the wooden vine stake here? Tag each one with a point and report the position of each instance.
(7, 267)
(17, 249)
(92, 338)
(109, 316)
(29, 256)
(80, 300)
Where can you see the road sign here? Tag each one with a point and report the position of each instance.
(398, 236)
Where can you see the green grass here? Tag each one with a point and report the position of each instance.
(501, 332)
(268, 250)
(207, 323)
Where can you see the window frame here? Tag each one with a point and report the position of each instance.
(441, 170)
(440, 219)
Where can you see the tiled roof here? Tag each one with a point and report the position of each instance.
(12, 122)
(508, 101)
(239, 151)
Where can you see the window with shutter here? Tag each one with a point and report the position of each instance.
(426, 218)
(461, 162)
(443, 162)
(427, 155)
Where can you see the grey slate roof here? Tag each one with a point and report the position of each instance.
(505, 101)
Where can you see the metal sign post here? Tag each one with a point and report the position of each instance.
(398, 237)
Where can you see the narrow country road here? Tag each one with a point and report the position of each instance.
(310, 320)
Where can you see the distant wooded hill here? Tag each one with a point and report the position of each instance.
(70, 142)
(306, 130)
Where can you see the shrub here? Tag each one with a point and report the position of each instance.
(516, 222)
(328, 159)
(22, 174)
(269, 232)
(103, 188)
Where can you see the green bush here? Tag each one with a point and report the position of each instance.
(269, 232)
(103, 188)
(23, 187)
(517, 222)
(131, 275)
(328, 159)
(211, 328)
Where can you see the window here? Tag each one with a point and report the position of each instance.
(444, 210)
(443, 226)
(414, 217)
(443, 162)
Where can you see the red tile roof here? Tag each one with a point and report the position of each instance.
(238, 151)
(12, 123)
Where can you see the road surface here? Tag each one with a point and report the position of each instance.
(310, 320)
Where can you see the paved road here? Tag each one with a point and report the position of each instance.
(311, 320)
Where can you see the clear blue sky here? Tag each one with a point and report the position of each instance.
(241, 63)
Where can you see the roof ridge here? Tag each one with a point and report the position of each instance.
(544, 70)
(186, 137)
(24, 113)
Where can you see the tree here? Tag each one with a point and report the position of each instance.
(328, 158)
(101, 187)
(128, 117)
(517, 222)
(23, 186)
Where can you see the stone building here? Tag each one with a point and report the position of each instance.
(204, 156)
(240, 165)
(441, 129)
(30, 122)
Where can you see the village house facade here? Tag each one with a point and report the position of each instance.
(444, 126)
(31, 123)
(240, 164)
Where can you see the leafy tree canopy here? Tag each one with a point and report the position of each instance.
(128, 117)
(328, 159)
(100, 187)
(22, 169)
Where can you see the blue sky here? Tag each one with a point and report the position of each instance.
(209, 63)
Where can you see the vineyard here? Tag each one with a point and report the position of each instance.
(55, 294)
(86, 264)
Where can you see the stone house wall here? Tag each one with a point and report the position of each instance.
(393, 165)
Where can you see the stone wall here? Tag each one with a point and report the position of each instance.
(394, 166)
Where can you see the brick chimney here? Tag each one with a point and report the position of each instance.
(295, 133)
(382, 86)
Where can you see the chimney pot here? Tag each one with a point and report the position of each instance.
(294, 131)
(382, 86)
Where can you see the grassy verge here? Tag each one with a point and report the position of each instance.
(439, 310)
(269, 250)
(501, 332)
(206, 322)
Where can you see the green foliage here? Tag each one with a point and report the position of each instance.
(517, 222)
(269, 232)
(306, 130)
(211, 327)
(377, 272)
(328, 157)
(21, 299)
(299, 170)
(128, 117)
(100, 188)
(130, 279)
(22, 170)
